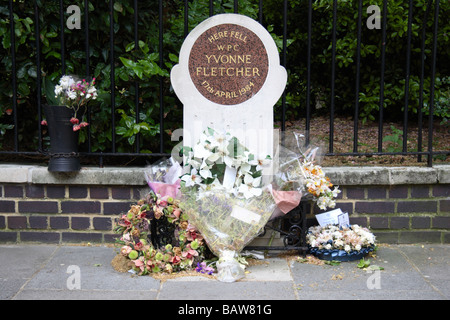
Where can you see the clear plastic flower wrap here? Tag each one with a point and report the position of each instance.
(163, 177)
(299, 173)
(228, 224)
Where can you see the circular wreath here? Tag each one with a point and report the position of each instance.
(338, 243)
(186, 250)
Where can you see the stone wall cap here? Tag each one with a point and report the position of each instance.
(134, 176)
(388, 175)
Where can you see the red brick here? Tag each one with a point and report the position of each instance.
(46, 237)
(80, 223)
(17, 222)
(80, 207)
(38, 206)
(417, 206)
(375, 207)
(56, 192)
(13, 191)
(38, 222)
(59, 222)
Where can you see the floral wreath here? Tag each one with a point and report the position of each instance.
(186, 251)
(338, 241)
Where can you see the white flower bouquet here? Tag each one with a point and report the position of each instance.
(334, 242)
(73, 93)
(221, 162)
(224, 197)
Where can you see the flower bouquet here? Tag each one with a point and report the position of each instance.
(163, 177)
(224, 197)
(72, 93)
(334, 242)
(299, 172)
(65, 116)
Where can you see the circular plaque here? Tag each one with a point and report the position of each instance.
(228, 64)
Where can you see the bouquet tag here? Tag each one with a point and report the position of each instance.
(245, 215)
(333, 217)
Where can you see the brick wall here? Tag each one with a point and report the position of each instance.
(62, 214)
(400, 213)
(36, 206)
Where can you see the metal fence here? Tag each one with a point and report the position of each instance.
(432, 12)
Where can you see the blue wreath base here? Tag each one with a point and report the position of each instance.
(339, 255)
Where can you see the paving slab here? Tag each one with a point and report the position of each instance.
(432, 262)
(52, 272)
(239, 290)
(398, 280)
(40, 294)
(93, 264)
(18, 264)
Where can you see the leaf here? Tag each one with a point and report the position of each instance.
(118, 7)
(121, 131)
(128, 63)
(375, 267)
(129, 47)
(173, 57)
(144, 47)
(363, 263)
(49, 90)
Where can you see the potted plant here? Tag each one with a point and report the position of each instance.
(64, 111)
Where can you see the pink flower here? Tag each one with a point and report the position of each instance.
(125, 250)
(189, 254)
(177, 213)
(76, 127)
(74, 120)
(139, 263)
(161, 202)
(176, 260)
(44, 123)
(84, 124)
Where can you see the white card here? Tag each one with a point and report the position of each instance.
(245, 215)
(343, 220)
(329, 217)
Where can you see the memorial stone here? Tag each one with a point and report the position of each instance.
(229, 78)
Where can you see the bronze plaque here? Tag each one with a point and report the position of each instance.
(228, 64)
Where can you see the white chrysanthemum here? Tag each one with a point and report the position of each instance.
(66, 82)
(71, 94)
(58, 90)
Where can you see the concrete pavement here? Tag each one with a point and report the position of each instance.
(36, 272)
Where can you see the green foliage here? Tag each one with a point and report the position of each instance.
(139, 66)
(395, 139)
(371, 48)
(365, 264)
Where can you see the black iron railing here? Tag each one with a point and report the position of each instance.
(428, 60)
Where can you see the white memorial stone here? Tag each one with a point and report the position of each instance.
(229, 78)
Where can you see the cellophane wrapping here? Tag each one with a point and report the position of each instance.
(227, 224)
(299, 169)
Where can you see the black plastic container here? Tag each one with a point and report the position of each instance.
(63, 140)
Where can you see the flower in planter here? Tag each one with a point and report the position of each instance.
(73, 93)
